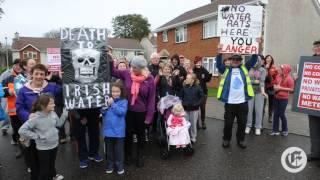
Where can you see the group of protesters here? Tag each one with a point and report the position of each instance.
(34, 105)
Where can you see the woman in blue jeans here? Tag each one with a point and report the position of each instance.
(284, 85)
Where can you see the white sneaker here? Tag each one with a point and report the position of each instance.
(258, 132)
(248, 129)
(121, 172)
(29, 170)
(58, 177)
(109, 171)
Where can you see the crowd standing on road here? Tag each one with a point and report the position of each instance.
(138, 91)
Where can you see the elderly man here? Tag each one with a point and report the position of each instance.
(154, 64)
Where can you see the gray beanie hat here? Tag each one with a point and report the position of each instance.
(139, 62)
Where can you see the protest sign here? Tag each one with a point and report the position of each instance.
(307, 90)
(239, 45)
(238, 28)
(54, 59)
(239, 21)
(85, 66)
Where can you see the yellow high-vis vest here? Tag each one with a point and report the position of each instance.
(248, 81)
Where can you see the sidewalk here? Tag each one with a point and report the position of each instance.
(297, 122)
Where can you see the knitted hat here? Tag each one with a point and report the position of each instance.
(139, 62)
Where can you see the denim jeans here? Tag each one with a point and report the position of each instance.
(115, 153)
(279, 109)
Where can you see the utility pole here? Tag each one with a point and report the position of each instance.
(7, 56)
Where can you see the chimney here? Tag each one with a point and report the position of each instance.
(16, 36)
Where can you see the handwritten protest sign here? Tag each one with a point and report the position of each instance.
(54, 59)
(239, 45)
(307, 92)
(86, 67)
(239, 21)
(238, 28)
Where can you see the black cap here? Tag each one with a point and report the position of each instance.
(16, 61)
(316, 42)
(235, 57)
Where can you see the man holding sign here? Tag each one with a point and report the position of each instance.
(235, 90)
(85, 85)
(314, 121)
(238, 27)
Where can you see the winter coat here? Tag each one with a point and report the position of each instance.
(42, 128)
(27, 96)
(191, 97)
(114, 119)
(204, 77)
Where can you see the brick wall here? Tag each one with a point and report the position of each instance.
(195, 45)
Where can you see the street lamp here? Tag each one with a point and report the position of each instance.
(7, 58)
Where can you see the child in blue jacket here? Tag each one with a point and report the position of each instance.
(114, 126)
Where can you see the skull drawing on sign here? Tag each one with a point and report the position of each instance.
(86, 64)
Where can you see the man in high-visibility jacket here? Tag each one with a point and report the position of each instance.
(11, 100)
(235, 90)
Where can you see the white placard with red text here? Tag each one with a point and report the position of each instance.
(309, 96)
(239, 45)
(54, 59)
(306, 97)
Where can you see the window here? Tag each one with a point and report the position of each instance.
(209, 28)
(210, 64)
(29, 54)
(181, 34)
(123, 53)
(165, 36)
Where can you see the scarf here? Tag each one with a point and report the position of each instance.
(176, 121)
(136, 82)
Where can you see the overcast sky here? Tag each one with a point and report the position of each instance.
(35, 17)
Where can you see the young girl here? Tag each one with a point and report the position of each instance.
(284, 85)
(42, 127)
(178, 127)
(192, 96)
(114, 128)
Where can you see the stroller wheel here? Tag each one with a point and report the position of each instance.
(162, 142)
(164, 154)
(188, 151)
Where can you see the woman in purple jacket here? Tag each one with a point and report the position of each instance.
(139, 84)
(27, 95)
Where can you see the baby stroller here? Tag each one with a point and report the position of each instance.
(164, 106)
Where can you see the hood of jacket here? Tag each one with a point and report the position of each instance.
(286, 69)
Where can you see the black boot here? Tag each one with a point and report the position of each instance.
(204, 126)
(140, 161)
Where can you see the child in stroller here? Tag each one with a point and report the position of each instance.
(178, 127)
(174, 129)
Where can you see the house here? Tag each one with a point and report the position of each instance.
(36, 47)
(149, 45)
(33, 47)
(290, 27)
(125, 47)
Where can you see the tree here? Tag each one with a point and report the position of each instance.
(130, 26)
(1, 10)
(54, 33)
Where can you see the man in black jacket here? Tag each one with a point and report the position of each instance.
(314, 122)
